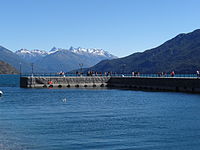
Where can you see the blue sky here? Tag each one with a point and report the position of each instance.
(121, 27)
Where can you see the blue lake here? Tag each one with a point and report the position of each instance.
(96, 119)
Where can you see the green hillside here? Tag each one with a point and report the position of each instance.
(7, 69)
(181, 54)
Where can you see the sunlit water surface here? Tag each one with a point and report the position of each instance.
(92, 119)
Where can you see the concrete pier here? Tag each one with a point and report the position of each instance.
(189, 84)
(63, 82)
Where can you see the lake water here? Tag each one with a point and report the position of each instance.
(96, 119)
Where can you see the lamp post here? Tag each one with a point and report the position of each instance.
(32, 68)
(20, 69)
(123, 68)
(81, 67)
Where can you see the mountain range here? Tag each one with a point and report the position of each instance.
(55, 60)
(180, 54)
(59, 59)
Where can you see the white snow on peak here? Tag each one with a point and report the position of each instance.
(79, 50)
(54, 50)
(34, 52)
(83, 51)
(93, 51)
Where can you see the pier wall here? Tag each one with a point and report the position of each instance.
(136, 83)
(63, 82)
(157, 84)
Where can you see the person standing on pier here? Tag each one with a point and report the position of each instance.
(172, 74)
(198, 73)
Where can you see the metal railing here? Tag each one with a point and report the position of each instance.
(112, 75)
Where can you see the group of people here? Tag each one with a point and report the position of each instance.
(164, 74)
(94, 73)
(135, 74)
(172, 74)
(89, 73)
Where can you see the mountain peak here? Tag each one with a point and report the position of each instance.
(53, 49)
(71, 48)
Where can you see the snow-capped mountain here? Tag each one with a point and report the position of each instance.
(64, 59)
(34, 52)
(31, 55)
(84, 51)
(93, 51)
